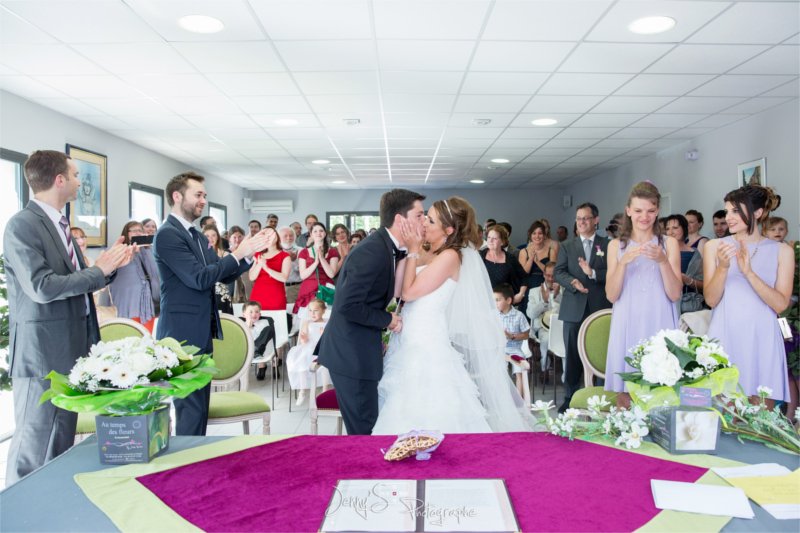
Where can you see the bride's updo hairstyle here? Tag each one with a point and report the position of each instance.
(456, 213)
(751, 198)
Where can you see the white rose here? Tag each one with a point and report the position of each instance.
(661, 367)
(680, 338)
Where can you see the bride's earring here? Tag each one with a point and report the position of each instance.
(426, 246)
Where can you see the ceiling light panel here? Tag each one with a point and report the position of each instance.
(331, 19)
(519, 56)
(328, 55)
(553, 20)
(689, 17)
(231, 57)
(613, 57)
(752, 22)
(704, 58)
(444, 19)
(562, 120)
(163, 17)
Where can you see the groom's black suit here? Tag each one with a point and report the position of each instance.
(351, 347)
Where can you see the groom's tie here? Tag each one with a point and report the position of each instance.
(399, 255)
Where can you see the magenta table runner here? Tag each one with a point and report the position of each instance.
(555, 484)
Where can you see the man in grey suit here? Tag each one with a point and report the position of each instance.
(581, 271)
(53, 320)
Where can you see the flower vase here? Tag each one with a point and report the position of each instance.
(133, 438)
(724, 380)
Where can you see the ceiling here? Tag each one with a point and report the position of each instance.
(421, 77)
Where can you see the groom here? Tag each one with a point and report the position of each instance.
(351, 347)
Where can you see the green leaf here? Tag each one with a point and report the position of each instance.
(684, 356)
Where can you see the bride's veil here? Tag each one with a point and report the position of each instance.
(477, 333)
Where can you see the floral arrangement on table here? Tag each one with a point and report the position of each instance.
(756, 422)
(130, 376)
(673, 358)
(626, 426)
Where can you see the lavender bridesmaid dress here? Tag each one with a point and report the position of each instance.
(748, 328)
(641, 311)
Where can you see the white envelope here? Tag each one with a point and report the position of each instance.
(702, 499)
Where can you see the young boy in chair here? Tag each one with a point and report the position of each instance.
(262, 330)
(515, 327)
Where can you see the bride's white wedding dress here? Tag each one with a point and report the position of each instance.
(446, 370)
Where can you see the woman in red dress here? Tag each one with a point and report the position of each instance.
(318, 260)
(270, 270)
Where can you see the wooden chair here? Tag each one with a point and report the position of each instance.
(593, 349)
(232, 357)
(322, 404)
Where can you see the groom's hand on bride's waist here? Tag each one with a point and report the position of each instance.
(396, 324)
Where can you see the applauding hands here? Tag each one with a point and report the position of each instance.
(115, 257)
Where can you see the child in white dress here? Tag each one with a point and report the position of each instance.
(301, 356)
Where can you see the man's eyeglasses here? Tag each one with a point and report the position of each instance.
(584, 219)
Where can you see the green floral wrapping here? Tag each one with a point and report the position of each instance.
(723, 381)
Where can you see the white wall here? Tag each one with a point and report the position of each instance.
(518, 207)
(702, 184)
(26, 126)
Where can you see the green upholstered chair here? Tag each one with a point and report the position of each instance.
(232, 357)
(593, 349)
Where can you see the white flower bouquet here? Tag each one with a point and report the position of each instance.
(673, 358)
(129, 376)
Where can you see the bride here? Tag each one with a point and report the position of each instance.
(446, 370)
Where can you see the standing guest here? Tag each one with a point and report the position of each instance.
(51, 312)
(272, 221)
(211, 221)
(720, 226)
(269, 272)
(562, 233)
(341, 236)
(288, 245)
(318, 265)
(581, 272)
(614, 225)
(515, 329)
(136, 286)
(502, 266)
(239, 289)
(488, 224)
(372, 230)
(302, 240)
(355, 238)
(694, 239)
(214, 239)
(548, 240)
(361, 233)
(776, 228)
(643, 283)
(537, 254)
(79, 238)
(189, 272)
(254, 226)
(298, 229)
(691, 265)
(150, 226)
(748, 282)
(223, 295)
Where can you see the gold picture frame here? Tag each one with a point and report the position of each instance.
(89, 210)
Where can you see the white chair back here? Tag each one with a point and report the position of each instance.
(556, 342)
(281, 328)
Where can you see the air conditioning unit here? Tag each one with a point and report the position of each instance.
(272, 206)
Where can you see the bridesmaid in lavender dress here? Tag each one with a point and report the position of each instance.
(643, 282)
(749, 283)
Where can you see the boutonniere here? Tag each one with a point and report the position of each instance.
(598, 251)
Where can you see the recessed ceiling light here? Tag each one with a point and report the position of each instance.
(499, 160)
(339, 182)
(651, 25)
(285, 122)
(201, 24)
(544, 122)
(477, 181)
(320, 161)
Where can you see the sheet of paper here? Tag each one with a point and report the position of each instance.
(371, 505)
(703, 499)
(757, 470)
(468, 505)
(778, 495)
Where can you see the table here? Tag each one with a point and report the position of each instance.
(49, 499)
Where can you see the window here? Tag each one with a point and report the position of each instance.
(145, 202)
(14, 191)
(365, 220)
(220, 214)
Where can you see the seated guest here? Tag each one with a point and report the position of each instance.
(136, 286)
(515, 328)
(720, 226)
(543, 299)
(150, 226)
(691, 265)
(269, 272)
(501, 266)
(694, 239)
(238, 288)
(299, 359)
(262, 330)
(318, 265)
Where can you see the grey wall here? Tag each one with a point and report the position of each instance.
(517, 207)
(702, 184)
(26, 126)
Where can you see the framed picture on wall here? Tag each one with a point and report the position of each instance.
(753, 172)
(89, 211)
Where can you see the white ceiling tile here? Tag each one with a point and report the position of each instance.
(272, 104)
(716, 121)
(631, 104)
(406, 19)
(332, 19)
(580, 84)
(688, 133)
(689, 16)
(226, 120)
(546, 150)
(668, 120)
(564, 120)
(46, 59)
(587, 133)
(787, 89)
(254, 84)
(68, 106)
(606, 120)
(420, 82)
(553, 20)
(359, 82)
(77, 21)
(700, 104)
(752, 22)
(620, 143)
(24, 85)
(344, 103)
(663, 84)
(502, 83)
(607, 152)
(104, 122)
(756, 105)
(438, 103)
(163, 16)
(473, 133)
(642, 133)
(561, 104)
(231, 57)
(531, 133)
(784, 59)
(559, 142)
(516, 144)
(795, 39)
(519, 56)
(613, 57)
(126, 106)
(705, 58)
(424, 55)
(155, 122)
(136, 58)
(8, 71)
(90, 86)
(171, 84)
(408, 120)
(335, 121)
(14, 29)
(465, 120)
(740, 85)
(499, 103)
(200, 105)
(328, 55)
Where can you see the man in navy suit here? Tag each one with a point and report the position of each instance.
(351, 347)
(189, 271)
